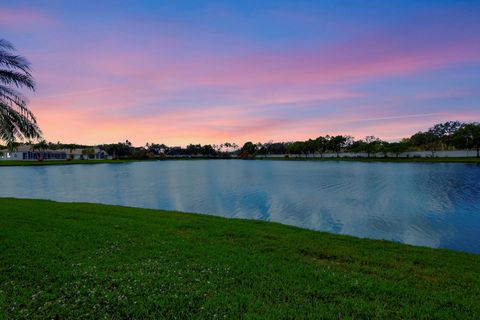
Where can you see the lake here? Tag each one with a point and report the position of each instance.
(435, 205)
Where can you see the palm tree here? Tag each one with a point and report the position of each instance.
(227, 145)
(17, 122)
(42, 145)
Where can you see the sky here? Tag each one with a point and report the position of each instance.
(180, 72)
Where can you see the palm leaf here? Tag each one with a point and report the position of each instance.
(13, 96)
(4, 44)
(18, 79)
(16, 126)
(17, 122)
(14, 62)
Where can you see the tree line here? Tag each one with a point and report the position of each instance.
(451, 135)
(125, 150)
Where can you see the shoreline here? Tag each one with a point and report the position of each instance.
(402, 160)
(20, 163)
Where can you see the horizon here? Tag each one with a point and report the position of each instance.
(206, 73)
(220, 144)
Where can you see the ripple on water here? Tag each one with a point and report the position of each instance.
(425, 204)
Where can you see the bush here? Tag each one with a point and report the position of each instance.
(245, 155)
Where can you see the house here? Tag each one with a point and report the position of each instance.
(26, 152)
(86, 154)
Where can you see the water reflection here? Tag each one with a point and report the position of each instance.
(435, 205)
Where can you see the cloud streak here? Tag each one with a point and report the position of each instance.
(158, 75)
(25, 19)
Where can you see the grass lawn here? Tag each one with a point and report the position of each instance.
(62, 260)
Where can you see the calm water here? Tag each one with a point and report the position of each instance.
(436, 205)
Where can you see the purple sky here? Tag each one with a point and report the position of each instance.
(177, 72)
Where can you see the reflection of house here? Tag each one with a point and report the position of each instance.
(26, 152)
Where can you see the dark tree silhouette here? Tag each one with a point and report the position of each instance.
(468, 137)
(17, 122)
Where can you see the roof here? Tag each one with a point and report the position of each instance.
(80, 151)
(20, 148)
(27, 148)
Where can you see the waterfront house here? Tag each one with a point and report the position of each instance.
(86, 154)
(27, 152)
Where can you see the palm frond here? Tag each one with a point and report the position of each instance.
(17, 122)
(18, 79)
(12, 96)
(16, 126)
(17, 101)
(14, 62)
(4, 44)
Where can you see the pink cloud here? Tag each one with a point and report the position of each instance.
(111, 91)
(25, 19)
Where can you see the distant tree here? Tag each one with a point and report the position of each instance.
(260, 149)
(297, 148)
(17, 122)
(445, 131)
(278, 147)
(218, 148)
(42, 145)
(119, 150)
(141, 153)
(248, 150)
(264, 148)
(173, 151)
(426, 141)
(336, 143)
(468, 137)
(372, 145)
(349, 141)
(396, 147)
(322, 144)
(357, 146)
(156, 148)
(208, 151)
(249, 147)
(268, 147)
(310, 147)
(227, 146)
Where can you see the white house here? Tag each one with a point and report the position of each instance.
(26, 152)
(86, 154)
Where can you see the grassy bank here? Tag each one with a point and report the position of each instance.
(63, 260)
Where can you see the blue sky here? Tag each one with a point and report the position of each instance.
(208, 72)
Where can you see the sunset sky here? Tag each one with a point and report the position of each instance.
(176, 72)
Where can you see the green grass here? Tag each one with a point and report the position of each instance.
(426, 160)
(78, 260)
